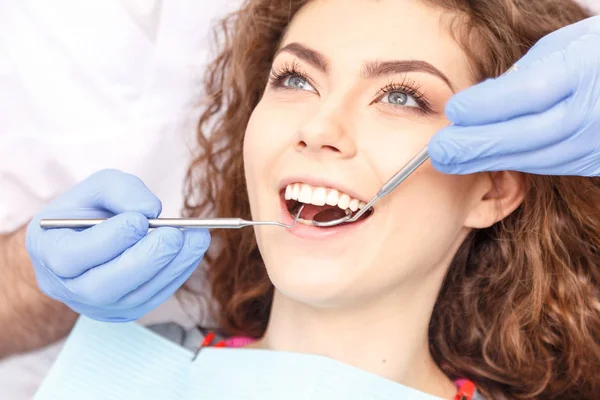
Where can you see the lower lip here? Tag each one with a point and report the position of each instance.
(312, 232)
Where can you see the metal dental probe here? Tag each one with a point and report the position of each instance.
(214, 223)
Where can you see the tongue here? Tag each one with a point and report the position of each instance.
(325, 213)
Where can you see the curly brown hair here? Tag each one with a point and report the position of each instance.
(527, 289)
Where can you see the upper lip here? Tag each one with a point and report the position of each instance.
(320, 182)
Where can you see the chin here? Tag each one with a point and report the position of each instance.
(313, 282)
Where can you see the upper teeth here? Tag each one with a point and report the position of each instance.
(319, 196)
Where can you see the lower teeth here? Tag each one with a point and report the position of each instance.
(305, 222)
(310, 222)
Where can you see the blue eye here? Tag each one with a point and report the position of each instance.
(400, 99)
(299, 83)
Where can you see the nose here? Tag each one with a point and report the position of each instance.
(328, 132)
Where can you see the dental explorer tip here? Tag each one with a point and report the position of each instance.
(297, 217)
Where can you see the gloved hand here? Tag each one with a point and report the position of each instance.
(542, 118)
(115, 271)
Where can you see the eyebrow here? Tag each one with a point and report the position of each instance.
(382, 68)
(373, 69)
(309, 55)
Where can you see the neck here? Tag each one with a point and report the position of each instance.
(387, 336)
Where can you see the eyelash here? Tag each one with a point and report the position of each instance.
(407, 85)
(411, 88)
(279, 76)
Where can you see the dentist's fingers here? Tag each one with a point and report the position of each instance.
(132, 314)
(566, 157)
(107, 283)
(455, 145)
(163, 294)
(69, 253)
(196, 242)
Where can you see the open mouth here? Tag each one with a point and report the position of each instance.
(321, 204)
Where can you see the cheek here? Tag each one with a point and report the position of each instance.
(254, 153)
(427, 197)
(429, 213)
(266, 139)
(267, 133)
(440, 197)
(425, 215)
(270, 132)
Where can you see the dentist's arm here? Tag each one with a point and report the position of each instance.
(28, 318)
(543, 118)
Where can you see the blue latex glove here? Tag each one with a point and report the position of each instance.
(116, 271)
(543, 118)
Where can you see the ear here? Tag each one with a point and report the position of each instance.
(500, 194)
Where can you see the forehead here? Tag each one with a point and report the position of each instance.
(352, 32)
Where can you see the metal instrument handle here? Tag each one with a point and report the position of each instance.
(404, 173)
(214, 223)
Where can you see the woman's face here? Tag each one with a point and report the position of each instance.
(358, 88)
